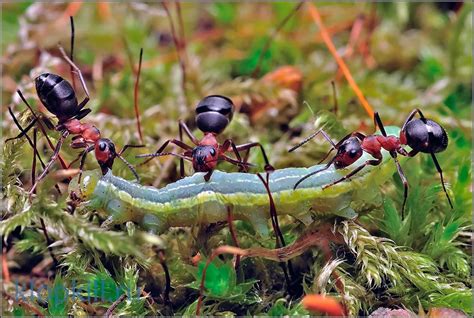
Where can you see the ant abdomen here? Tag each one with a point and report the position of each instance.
(214, 113)
(425, 136)
(57, 95)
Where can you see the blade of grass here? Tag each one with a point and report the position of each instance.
(342, 65)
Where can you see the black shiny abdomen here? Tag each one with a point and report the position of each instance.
(426, 136)
(57, 95)
(214, 113)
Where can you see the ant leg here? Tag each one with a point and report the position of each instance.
(43, 226)
(412, 153)
(129, 146)
(410, 117)
(314, 172)
(320, 131)
(235, 162)
(26, 103)
(41, 127)
(81, 165)
(82, 113)
(182, 126)
(33, 164)
(280, 241)
(373, 162)
(23, 132)
(185, 128)
(440, 171)
(33, 145)
(159, 151)
(51, 161)
(184, 156)
(208, 175)
(378, 122)
(225, 147)
(268, 166)
(81, 78)
(74, 161)
(404, 181)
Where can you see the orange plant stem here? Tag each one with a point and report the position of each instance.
(342, 65)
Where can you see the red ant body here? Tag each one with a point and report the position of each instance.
(59, 98)
(422, 135)
(213, 114)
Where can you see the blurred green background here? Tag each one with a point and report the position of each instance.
(403, 55)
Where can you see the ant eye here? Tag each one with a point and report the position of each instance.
(213, 152)
(102, 146)
(352, 153)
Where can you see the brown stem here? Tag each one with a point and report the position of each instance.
(321, 237)
(49, 242)
(233, 234)
(5, 271)
(166, 294)
(24, 304)
(114, 305)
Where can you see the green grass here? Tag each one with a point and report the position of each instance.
(422, 59)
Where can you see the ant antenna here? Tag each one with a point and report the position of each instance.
(71, 19)
(129, 165)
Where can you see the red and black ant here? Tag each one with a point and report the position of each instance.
(213, 114)
(59, 98)
(422, 135)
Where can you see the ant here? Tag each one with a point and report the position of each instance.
(421, 135)
(213, 114)
(59, 98)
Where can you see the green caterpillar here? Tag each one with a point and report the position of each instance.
(192, 200)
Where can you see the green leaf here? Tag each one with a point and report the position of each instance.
(58, 298)
(33, 241)
(456, 299)
(220, 278)
(278, 309)
(22, 219)
(450, 231)
(391, 221)
(101, 285)
(224, 12)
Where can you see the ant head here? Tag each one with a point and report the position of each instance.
(348, 153)
(57, 95)
(214, 113)
(105, 153)
(204, 158)
(424, 135)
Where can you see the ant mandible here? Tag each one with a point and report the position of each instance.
(213, 114)
(422, 135)
(59, 98)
